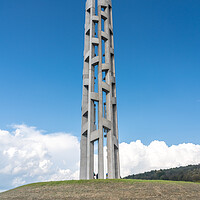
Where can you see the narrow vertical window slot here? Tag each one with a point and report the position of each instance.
(96, 50)
(96, 108)
(104, 105)
(104, 76)
(112, 64)
(96, 78)
(102, 24)
(96, 70)
(96, 7)
(111, 40)
(93, 79)
(113, 89)
(110, 14)
(96, 29)
(85, 102)
(103, 51)
(114, 119)
(96, 170)
(116, 160)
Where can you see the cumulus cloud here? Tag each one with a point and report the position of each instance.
(138, 158)
(29, 155)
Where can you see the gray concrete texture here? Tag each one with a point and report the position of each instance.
(99, 106)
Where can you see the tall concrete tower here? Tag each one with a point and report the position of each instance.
(99, 109)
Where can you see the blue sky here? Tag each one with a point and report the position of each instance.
(157, 52)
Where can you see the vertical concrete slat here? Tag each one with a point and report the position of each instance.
(101, 145)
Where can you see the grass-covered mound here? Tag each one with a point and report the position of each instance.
(105, 189)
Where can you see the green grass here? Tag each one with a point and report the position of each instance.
(105, 189)
(106, 181)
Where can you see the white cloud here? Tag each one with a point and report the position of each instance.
(137, 157)
(28, 155)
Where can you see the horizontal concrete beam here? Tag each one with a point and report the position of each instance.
(94, 96)
(105, 2)
(84, 128)
(86, 82)
(106, 123)
(84, 110)
(85, 76)
(90, 4)
(87, 30)
(95, 18)
(87, 56)
(105, 87)
(95, 41)
(104, 35)
(105, 67)
(94, 136)
(103, 15)
(95, 61)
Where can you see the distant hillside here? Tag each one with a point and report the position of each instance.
(105, 189)
(189, 173)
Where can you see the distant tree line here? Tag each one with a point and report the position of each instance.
(189, 173)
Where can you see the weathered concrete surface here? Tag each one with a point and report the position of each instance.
(99, 105)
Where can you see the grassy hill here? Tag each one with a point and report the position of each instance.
(190, 173)
(105, 189)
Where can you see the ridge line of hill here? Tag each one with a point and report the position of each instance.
(189, 173)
